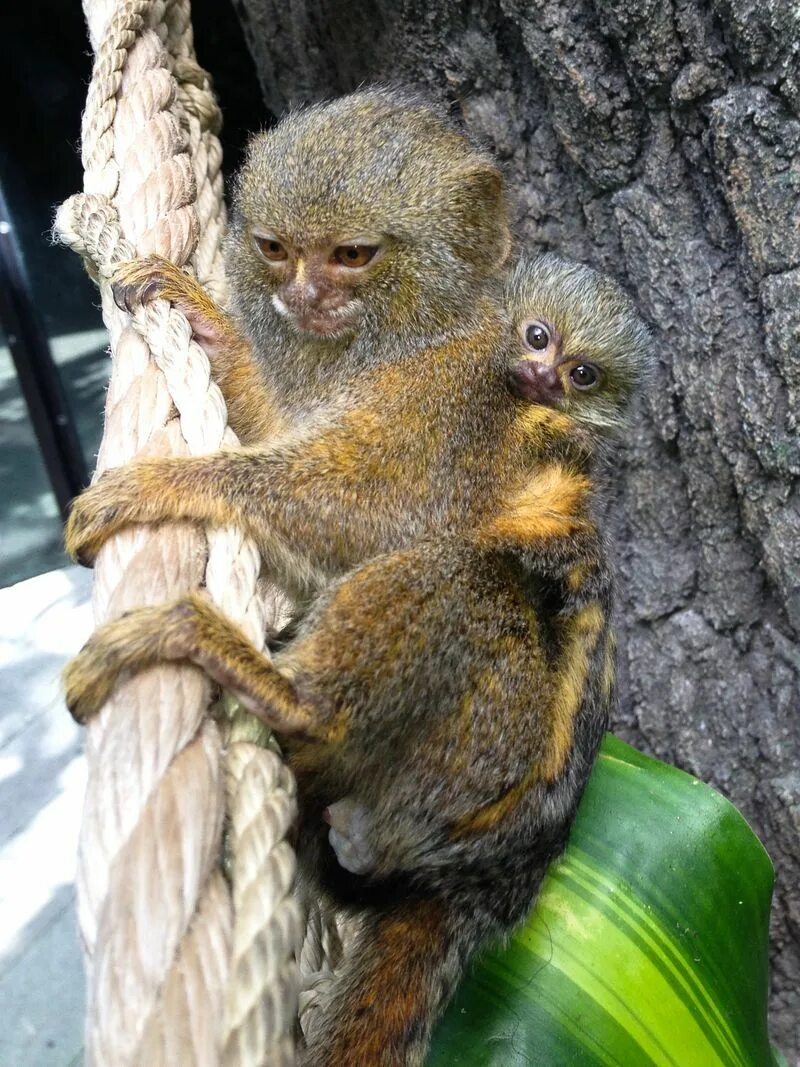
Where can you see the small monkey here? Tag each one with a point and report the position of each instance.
(362, 229)
(367, 241)
(443, 702)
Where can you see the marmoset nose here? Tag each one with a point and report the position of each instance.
(301, 295)
(535, 382)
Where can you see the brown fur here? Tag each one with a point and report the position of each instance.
(434, 671)
(453, 683)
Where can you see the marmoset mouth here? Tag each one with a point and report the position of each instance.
(331, 323)
(536, 382)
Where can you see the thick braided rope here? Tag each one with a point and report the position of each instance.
(326, 933)
(154, 909)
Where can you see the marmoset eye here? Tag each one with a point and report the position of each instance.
(537, 337)
(270, 248)
(584, 376)
(354, 255)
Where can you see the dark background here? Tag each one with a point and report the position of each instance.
(45, 73)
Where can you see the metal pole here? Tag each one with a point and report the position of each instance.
(38, 376)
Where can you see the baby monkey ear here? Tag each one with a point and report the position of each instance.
(485, 231)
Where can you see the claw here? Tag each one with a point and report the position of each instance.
(121, 294)
(84, 557)
(79, 545)
(132, 642)
(79, 714)
(99, 512)
(130, 295)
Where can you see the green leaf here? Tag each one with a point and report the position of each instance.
(648, 944)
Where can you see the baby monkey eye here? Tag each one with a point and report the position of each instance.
(537, 336)
(354, 255)
(271, 249)
(584, 376)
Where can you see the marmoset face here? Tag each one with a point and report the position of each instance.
(370, 213)
(581, 345)
(319, 285)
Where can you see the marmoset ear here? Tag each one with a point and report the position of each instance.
(481, 203)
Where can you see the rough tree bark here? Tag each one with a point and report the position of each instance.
(658, 139)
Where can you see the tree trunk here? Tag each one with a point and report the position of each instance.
(658, 140)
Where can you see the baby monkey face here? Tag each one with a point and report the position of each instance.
(579, 344)
(315, 284)
(546, 374)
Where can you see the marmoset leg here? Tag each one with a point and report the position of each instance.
(191, 630)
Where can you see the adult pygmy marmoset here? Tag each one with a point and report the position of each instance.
(443, 701)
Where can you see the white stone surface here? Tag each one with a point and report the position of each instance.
(43, 621)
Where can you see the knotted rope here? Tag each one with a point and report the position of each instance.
(184, 965)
